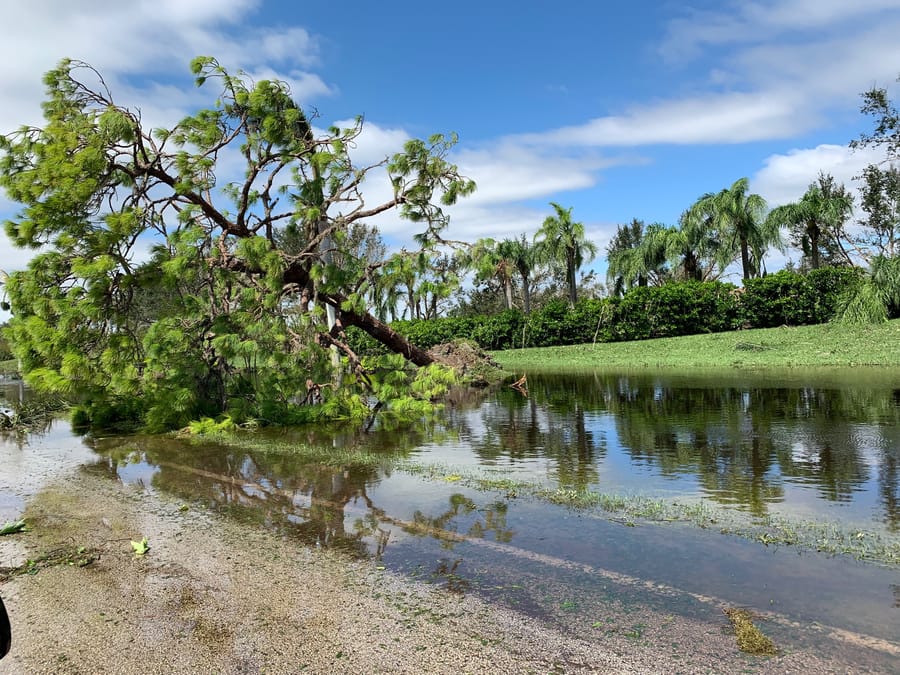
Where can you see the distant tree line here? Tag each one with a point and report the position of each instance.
(784, 298)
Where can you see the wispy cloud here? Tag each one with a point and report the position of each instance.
(154, 38)
(770, 70)
(770, 21)
(728, 118)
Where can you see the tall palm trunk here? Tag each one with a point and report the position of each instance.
(812, 229)
(570, 275)
(745, 259)
(508, 292)
(526, 294)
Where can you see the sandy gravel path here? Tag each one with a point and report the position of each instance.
(215, 596)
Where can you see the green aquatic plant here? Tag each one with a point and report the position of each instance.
(750, 639)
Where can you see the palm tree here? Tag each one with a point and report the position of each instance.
(642, 264)
(738, 216)
(561, 241)
(401, 277)
(491, 259)
(620, 273)
(877, 298)
(524, 257)
(816, 222)
(695, 247)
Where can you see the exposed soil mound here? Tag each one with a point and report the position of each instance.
(469, 360)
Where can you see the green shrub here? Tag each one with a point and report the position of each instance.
(675, 309)
(788, 298)
(829, 284)
(549, 326)
(783, 298)
(505, 330)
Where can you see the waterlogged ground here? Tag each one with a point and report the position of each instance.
(478, 507)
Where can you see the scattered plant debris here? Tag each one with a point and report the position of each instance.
(140, 548)
(13, 527)
(75, 556)
(750, 639)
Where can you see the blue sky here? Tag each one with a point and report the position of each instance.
(620, 110)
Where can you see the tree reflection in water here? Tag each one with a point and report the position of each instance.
(749, 445)
(744, 443)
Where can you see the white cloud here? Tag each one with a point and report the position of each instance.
(785, 177)
(150, 39)
(375, 142)
(507, 172)
(779, 66)
(828, 69)
(763, 21)
(157, 37)
(774, 89)
(727, 118)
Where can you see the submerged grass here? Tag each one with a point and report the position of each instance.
(824, 537)
(308, 452)
(824, 345)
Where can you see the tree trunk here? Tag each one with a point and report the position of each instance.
(570, 274)
(691, 268)
(366, 322)
(508, 291)
(383, 333)
(526, 294)
(812, 229)
(745, 259)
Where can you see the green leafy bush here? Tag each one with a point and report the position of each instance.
(675, 309)
(783, 298)
(829, 284)
(505, 330)
(788, 298)
(550, 326)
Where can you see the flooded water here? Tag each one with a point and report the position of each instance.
(817, 446)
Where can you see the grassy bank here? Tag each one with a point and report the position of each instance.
(825, 345)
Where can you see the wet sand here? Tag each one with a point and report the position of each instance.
(216, 596)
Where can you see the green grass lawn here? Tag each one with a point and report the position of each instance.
(826, 345)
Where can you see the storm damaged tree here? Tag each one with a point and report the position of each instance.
(167, 277)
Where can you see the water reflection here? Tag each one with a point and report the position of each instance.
(275, 490)
(759, 446)
(751, 445)
(812, 448)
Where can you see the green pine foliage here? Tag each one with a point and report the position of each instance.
(225, 320)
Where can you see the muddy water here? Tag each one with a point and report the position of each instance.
(825, 449)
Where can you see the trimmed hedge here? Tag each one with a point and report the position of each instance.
(675, 309)
(685, 308)
(790, 299)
